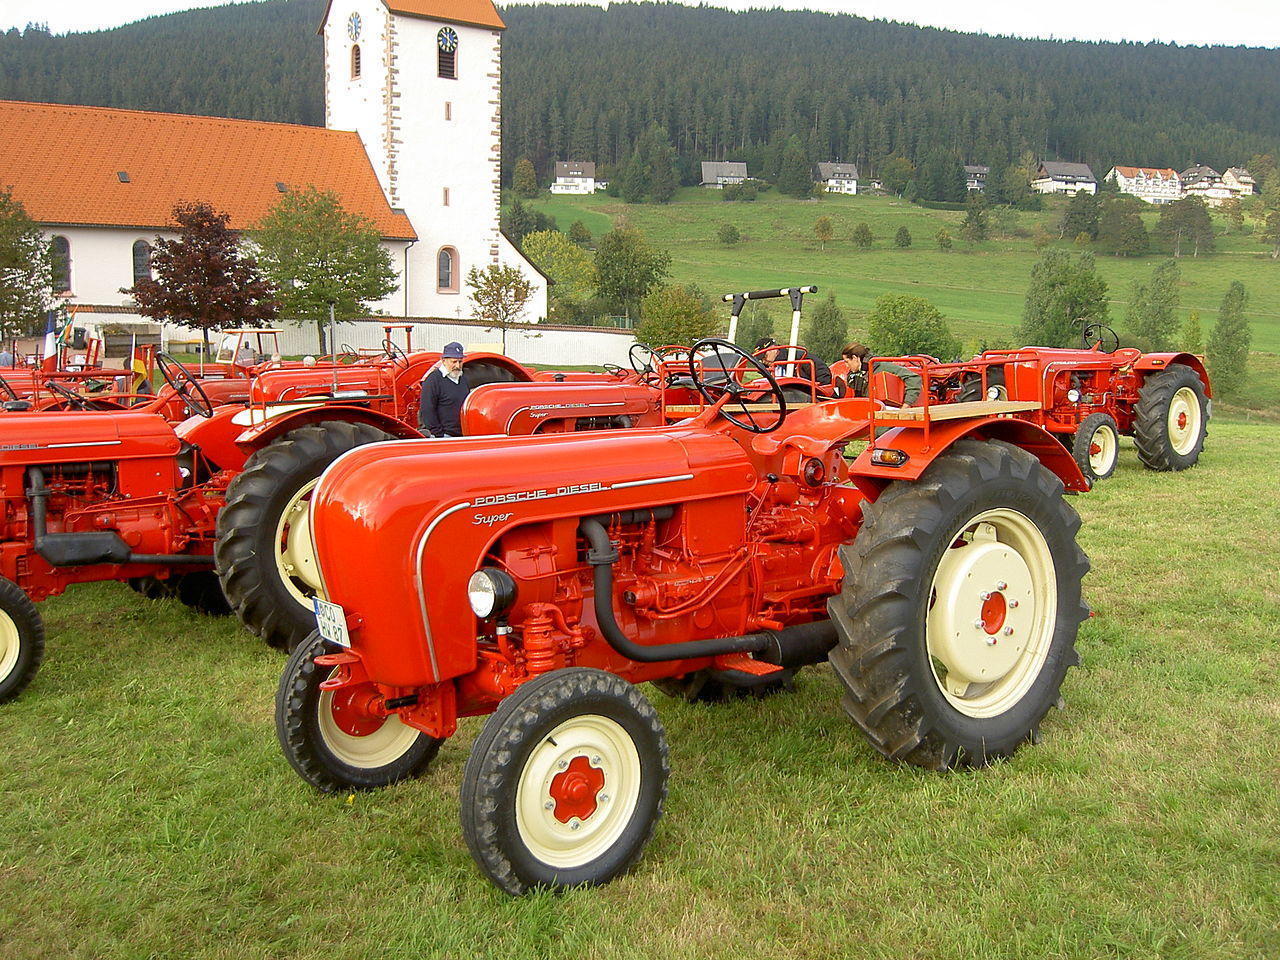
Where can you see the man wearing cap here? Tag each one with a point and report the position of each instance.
(444, 389)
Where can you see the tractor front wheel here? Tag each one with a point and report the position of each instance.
(1096, 447)
(332, 739)
(565, 783)
(1171, 419)
(21, 640)
(263, 552)
(961, 601)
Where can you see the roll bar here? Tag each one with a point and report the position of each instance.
(797, 299)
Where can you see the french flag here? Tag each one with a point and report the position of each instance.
(49, 357)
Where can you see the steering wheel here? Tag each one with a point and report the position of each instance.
(8, 390)
(713, 390)
(616, 370)
(185, 385)
(642, 359)
(1098, 336)
(75, 401)
(394, 353)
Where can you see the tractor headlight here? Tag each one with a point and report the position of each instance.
(490, 592)
(1073, 395)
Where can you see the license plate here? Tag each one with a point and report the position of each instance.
(332, 621)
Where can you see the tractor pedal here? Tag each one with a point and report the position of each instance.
(740, 670)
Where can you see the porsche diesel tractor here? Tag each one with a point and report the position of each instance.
(539, 579)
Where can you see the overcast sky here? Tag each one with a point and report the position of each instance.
(1251, 22)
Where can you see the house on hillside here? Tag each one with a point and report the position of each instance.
(1059, 176)
(722, 173)
(574, 176)
(103, 182)
(975, 177)
(1152, 184)
(1239, 181)
(1206, 183)
(837, 177)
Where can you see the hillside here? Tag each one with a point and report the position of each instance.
(585, 81)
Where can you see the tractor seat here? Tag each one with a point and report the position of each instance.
(17, 406)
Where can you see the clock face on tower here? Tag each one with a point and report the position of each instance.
(447, 40)
(353, 26)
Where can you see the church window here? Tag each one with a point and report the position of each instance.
(355, 61)
(447, 270)
(61, 264)
(141, 261)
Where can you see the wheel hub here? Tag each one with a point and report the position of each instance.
(576, 790)
(354, 710)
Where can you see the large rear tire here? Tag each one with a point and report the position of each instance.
(1171, 419)
(263, 551)
(21, 640)
(961, 601)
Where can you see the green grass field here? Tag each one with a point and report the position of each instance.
(148, 812)
(981, 289)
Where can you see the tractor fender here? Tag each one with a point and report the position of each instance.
(1149, 362)
(261, 434)
(517, 409)
(1031, 437)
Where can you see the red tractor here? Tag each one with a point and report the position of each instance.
(539, 579)
(1089, 398)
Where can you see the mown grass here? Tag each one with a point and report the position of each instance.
(147, 811)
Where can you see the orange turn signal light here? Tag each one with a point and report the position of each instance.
(889, 458)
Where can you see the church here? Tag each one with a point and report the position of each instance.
(411, 142)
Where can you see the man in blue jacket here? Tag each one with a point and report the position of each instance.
(444, 390)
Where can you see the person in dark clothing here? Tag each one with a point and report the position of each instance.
(444, 390)
(851, 374)
(779, 367)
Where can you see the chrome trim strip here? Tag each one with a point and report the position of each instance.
(86, 443)
(648, 483)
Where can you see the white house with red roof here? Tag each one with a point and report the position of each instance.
(1152, 184)
(412, 142)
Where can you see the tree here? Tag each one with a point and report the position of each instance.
(944, 239)
(1080, 216)
(728, 234)
(26, 269)
(627, 268)
(973, 229)
(1228, 351)
(824, 230)
(635, 181)
(902, 239)
(499, 295)
(1233, 212)
(571, 267)
(1120, 229)
(1152, 314)
(524, 181)
(1065, 294)
(900, 326)
(518, 221)
(1186, 221)
(579, 233)
(862, 238)
(942, 177)
(896, 172)
(754, 324)
(322, 260)
(1191, 339)
(795, 176)
(1015, 185)
(827, 330)
(650, 173)
(676, 314)
(202, 280)
(1271, 232)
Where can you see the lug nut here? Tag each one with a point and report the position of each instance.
(1002, 585)
(596, 760)
(991, 641)
(562, 764)
(575, 823)
(1013, 604)
(978, 624)
(984, 597)
(549, 805)
(1008, 631)
(604, 798)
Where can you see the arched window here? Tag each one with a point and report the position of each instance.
(447, 270)
(141, 260)
(355, 61)
(61, 247)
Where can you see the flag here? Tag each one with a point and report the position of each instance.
(141, 375)
(49, 359)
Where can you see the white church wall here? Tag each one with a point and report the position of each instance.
(101, 261)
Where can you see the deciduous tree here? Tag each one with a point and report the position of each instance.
(1121, 230)
(571, 267)
(824, 230)
(676, 314)
(827, 329)
(862, 238)
(26, 270)
(1191, 338)
(1065, 294)
(524, 181)
(900, 325)
(944, 239)
(627, 267)
(902, 239)
(728, 234)
(1152, 315)
(579, 233)
(1186, 222)
(499, 295)
(1229, 340)
(974, 228)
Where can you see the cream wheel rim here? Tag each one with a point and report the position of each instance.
(1184, 421)
(578, 791)
(993, 609)
(1103, 447)
(387, 741)
(295, 553)
(10, 645)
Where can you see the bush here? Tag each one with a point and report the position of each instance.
(862, 236)
(676, 314)
(944, 239)
(728, 234)
(826, 330)
(900, 325)
(902, 239)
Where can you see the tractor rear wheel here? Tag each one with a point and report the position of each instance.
(202, 592)
(971, 389)
(1171, 419)
(961, 601)
(153, 588)
(331, 740)
(21, 640)
(263, 552)
(1096, 447)
(565, 782)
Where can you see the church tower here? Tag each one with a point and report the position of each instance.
(420, 82)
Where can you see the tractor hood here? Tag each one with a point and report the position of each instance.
(520, 409)
(400, 527)
(84, 435)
